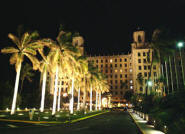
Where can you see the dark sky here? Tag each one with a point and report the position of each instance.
(106, 25)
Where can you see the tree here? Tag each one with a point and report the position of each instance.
(24, 47)
(128, 95)
(26, 73)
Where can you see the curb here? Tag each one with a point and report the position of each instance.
(54, 122)
(137, 124)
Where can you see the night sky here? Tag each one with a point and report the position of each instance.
(106, 25)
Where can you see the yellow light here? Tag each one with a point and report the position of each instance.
(110, 60)
(104, 102)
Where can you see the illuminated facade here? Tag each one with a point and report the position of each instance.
(118, 69)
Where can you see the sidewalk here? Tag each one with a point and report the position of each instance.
(143, 126)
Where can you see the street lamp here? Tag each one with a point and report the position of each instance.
(149, 84)
(180, 45)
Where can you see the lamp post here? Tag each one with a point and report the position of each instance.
(180, 45)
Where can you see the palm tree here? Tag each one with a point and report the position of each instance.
(24, 47)
(63, 53)
(26, 73)
(44, 68)
(161, 47)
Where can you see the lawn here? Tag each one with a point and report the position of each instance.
(61, 116)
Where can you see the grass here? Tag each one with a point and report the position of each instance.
(61, 116)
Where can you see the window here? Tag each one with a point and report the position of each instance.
(106, 71)
(115, 65)
(125, 65)
(120, 75)
(144, 54)
(111, 81)
(120, 65)
(115, 60)
(111, 87)
(125, 60)
(139, 67)
(145, 68)
(116, 75)
(144, 60)
(155, 74)
(97, 66)
(116, 87)
(141, 89)
(106, 65)
(106, 60)
(145, 74)
(121, 93)
(149, 74)
(121, 70)
(111, 76)
(101, 61)
(111, 71)
(110, 60)
(131, 81)
(116, 81)
(116, 70)
(120, 60)
(101, 65)
(125, 75)
(121, 81)
(111, 65)
(96, 61)
(116, 93)
(139, 60)
(130, 70)
(139, 54)
(154, 67)
(148, 67)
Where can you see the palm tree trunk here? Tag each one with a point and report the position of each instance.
(96, 100)
(72, 97)
(78, 105)
(171, 74)
(59, 95)
(16, 89)
(100, 100)
(84, 96)
(43, 91)
(177, 81)
(162, 73)
(91, 99)
(167, 76)
(55, 92)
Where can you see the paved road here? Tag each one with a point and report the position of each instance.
(109, 123)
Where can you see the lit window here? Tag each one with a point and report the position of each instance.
(121, 70)
(131, 87)
(116, 70)
(130, 70)
(110, 60)
(131, 81)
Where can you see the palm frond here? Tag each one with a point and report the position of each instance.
(9, 50)
(15, 40)
(34, 61)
